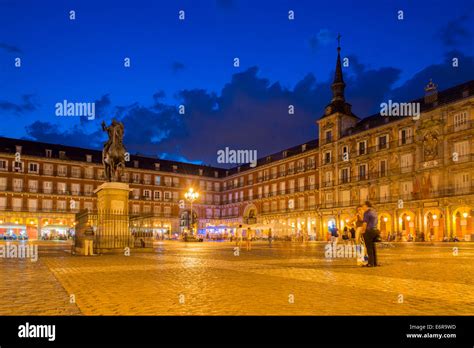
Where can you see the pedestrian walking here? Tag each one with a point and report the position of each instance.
(334, 235)
(370, 232)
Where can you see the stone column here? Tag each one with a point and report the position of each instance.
(447, 222)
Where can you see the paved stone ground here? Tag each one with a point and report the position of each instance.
(207, 279)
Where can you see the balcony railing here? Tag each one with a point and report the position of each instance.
(461, 127)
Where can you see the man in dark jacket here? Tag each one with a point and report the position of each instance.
(370, 233)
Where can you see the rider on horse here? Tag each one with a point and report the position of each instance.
(114, 151)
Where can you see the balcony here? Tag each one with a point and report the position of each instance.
(329, 183)
(461, 126)
(344, 180)
(250, 221)
(462, 159)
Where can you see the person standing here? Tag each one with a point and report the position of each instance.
(238, 236)
(270, 237)
(249, 239)
(352, 233)
(370, 233)
(334, 235)
(89, 241)
(359, 221)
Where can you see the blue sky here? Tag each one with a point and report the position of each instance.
(190, 62)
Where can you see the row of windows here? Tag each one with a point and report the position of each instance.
(461, 148)
(273, 173)
(138, 178)
(62, 155)
(32, 204)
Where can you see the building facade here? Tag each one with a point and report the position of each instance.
(416, 168)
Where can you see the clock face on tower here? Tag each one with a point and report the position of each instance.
(328, 110)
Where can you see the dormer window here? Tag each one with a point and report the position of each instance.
(157, 166)
(303, 148)
(62, 154)
(431, 93)
(135, 164)
(285, 154)
(18, 166)
(89, 158)
(216, 174)
(18, 148)
(328, 136)
(49, 153)
(200, 172)
(175, 168)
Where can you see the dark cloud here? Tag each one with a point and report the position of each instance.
(455, 32)
(443, 74)
(177, 67)
(102, 106)
(367, 88)
(250, 111)
(51, 133)
(9, 48)
(27, 105)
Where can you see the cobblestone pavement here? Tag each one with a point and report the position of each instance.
(207, 279)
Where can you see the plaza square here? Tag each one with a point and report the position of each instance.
(208, 279)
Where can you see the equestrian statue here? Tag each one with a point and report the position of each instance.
(113, 154)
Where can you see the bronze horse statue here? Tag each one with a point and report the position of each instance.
(113, 154)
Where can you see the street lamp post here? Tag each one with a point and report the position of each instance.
(191, 196)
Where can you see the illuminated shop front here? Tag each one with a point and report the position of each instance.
(17, 228)
(219, 232)
(56, 232)
(13, 232)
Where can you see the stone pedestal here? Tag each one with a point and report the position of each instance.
(113, 230)
(113, 197)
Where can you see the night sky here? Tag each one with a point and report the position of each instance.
(191, 63)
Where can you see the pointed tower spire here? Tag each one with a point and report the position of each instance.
(338, 84)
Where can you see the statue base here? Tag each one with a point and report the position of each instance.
(113, 228)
